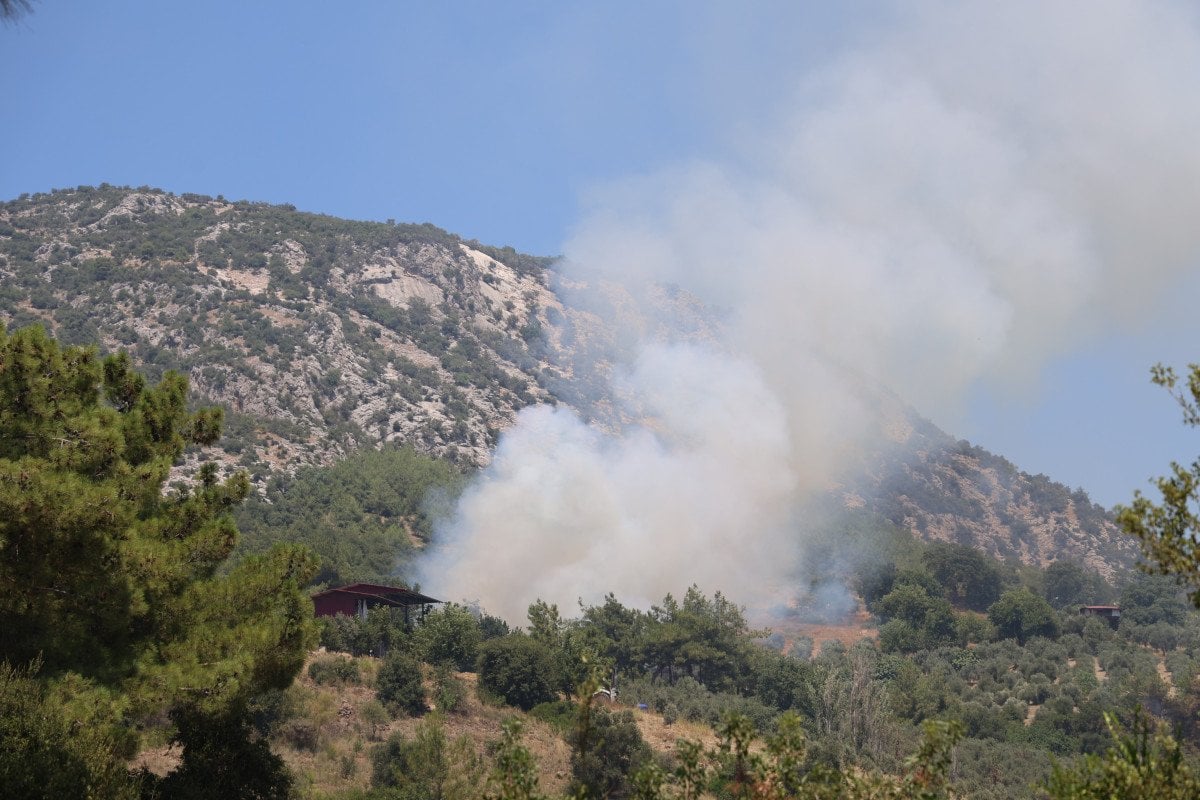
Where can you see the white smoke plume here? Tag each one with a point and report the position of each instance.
(974, 191)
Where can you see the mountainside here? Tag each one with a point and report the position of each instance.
(949, 490)
(321, 335)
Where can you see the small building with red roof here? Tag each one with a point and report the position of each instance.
(356, 599)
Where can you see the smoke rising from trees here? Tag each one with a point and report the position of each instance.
(964, 196)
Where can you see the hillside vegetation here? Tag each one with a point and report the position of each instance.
(321, 337)
(1013, 689)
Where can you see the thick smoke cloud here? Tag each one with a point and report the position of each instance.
(971, 193)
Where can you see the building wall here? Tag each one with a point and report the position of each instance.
(335, 603)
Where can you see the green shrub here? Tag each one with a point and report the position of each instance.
(414, 769)
(607, 749)
(450, 634)
(300, 733)
(334, 670)
(43, 754)
(559, 714)
(399, 686)
(374, 716)
(518, 669)
(448, 692)
(1021, 614)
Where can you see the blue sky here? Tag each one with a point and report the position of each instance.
(499, 121)
(488, 119)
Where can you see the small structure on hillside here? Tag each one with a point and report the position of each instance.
(1110, 613)
(359, 598)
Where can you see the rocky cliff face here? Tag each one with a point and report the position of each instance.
(321, 335)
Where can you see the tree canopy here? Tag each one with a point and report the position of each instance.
(1170, 530)
(108, 586)
(363, 516)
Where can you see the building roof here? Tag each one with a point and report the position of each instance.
(392, 595)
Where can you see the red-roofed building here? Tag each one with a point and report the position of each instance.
(359, 598)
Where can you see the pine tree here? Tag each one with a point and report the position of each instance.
(109, 589)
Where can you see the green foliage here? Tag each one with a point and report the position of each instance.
(520, 262)
(1020, 613)
(426, 767)
(399, 685)
(356, 515)
(607, 749)
(514, 772)
(450, 635)
(518, 669)
(334, 670)
(222, 758)
(701, 638)
(690, 700)
(1169, 531)
(1150, 599)
(613, 632)
(383, 631)
(558, 714)
(778, 770)
(915, 620)
(110, 582)
(1067, 584)
(47, 752)
(449, 692)
(970, 578)
(1145, 764)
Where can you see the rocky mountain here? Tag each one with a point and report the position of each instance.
(321, 335)
(945, 489)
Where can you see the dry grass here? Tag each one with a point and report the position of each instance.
(342, 759)
(159, 760)
(662, 737)
(849, 632)
(337, 719)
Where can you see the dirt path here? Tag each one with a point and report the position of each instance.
(1165, 674)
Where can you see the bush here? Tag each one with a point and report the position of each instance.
(519, 670)
(448, 692)
(42, 754)
(450, 634)
(898, 636)
(969, 628)
(301, 734)
(414, 769)
(374, 716)
(334, 670)
(606, 752)
(399, 685)
(559, 714)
